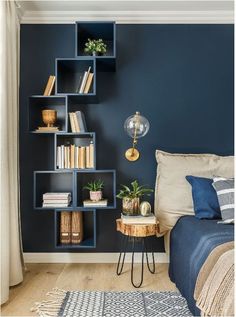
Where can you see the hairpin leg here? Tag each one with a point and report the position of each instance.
(132, 264)
(120, 263)
(148, 263)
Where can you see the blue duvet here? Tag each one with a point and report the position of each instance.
(191, 241)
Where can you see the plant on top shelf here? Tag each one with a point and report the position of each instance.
(95, 189)
(95, 47)
(131, 197)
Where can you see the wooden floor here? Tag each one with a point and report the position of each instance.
(41, 278)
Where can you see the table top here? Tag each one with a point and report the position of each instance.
(136, 230)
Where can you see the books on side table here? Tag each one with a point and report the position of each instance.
(73, 156)
(71, 227)
(92, 203)
(139, 219)
(56, 200)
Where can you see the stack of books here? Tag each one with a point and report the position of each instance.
(92, 203)
(71, 227)
(73, 156)
(77, 122)
(138, 219)
(56, 200)
(85, 82)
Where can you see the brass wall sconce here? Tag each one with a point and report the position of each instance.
(136, 127)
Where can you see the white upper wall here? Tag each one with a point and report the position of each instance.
(132, 11)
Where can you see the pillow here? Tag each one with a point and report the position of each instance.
(173, 197)
(225, 191)
(205, 201)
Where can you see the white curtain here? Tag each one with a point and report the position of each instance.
(11, 252)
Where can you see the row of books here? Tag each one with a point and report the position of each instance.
(85, 82)
(56, 200)
(73, 156)
(77, 121)
(71, 227)
(151, 219)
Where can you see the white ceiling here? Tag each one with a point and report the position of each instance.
(132, 11)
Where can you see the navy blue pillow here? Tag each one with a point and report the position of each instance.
(205, 201)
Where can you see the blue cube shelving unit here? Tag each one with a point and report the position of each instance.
(68, 72)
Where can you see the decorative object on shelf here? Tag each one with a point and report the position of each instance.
(49, 117)
(49, 86)
(65, 227)
(95, 189)
(145, 208)
(56, 200)
(131, 197)
(136, 127)
(95, 47)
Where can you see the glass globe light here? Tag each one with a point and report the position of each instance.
(136, 127)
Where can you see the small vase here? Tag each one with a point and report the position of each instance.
(94, 54)
(95, 196)
(130, 206)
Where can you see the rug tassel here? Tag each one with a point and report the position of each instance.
(50, 307)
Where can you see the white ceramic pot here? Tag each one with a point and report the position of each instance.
(95, 196)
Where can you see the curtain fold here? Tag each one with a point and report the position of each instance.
(11, 251)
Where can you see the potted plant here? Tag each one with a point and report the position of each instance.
(95, 189)
(131, 197)
(95, 47)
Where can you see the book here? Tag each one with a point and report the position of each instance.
(49, 86)
(91, 155)
(58, 157)
(87, 163)
(77, 127)
(138, 219)
(83, 157)
(85, 77)
(77, 227)
(88, 83)
(47, 129)
(72, 156)
(91, 203)
(81, 121)
(55, 205)
(54, 195)
(62, 156)
(56, 201)
(72, 123)
(76, 157)
(65, 227)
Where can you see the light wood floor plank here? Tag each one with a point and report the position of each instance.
(41, 278)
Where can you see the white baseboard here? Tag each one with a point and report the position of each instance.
(88, 257)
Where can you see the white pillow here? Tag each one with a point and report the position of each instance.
(173, 197)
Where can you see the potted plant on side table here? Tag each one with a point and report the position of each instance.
(131, 197)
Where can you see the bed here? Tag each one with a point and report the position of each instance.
(191, 241)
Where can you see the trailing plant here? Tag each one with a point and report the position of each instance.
(134, 191)
(94, 186)
(95, 46)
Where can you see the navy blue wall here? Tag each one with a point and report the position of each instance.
(179, 76)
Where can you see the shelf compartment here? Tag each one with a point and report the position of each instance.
(89, 230)
(109, 192)
(97, 30)
(78, 139)
(52, 181)
(69, 74)
(39, 103)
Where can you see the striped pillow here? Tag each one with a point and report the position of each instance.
(225, 192)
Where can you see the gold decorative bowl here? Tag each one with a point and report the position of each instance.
(49, 117)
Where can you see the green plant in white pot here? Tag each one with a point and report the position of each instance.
(131, 197)
(95, 189)
(95, 47)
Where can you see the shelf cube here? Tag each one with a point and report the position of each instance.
(39, 103)
(89, 230)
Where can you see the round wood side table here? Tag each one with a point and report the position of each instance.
(135, 233)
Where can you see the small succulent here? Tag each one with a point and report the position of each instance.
(95, 46)
(134, 191)
(94, 186)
